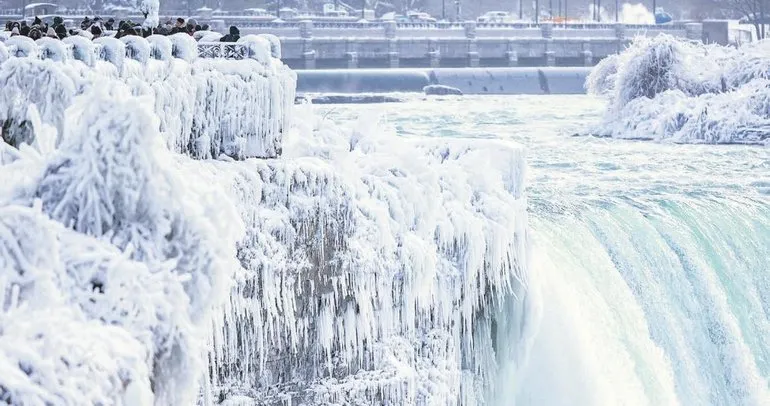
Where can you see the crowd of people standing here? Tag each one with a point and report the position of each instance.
(97, 27)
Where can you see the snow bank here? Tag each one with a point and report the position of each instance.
(207, 107)
(662, 88)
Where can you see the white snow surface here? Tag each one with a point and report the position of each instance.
(361, 267)
(666, 89)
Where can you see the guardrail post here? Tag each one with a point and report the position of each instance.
(390, 29)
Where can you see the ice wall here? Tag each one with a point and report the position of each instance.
(206, 107)
(360, 267)
(376, 269)
(664, 88)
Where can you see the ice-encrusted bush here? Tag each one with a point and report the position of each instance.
(183, 47)
(24, 46)
(52, 49)
(3, 53)
(665, 88)
(137, 48)
(160, 47)
(28, 81)
(275, 44)
(112, 50)
(82, 49)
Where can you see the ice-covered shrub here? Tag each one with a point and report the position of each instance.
(275, 44)
(112, 50)
(28, 81)
(664, 88)
(52, 49)
(24, 46)
(82, 49)
(4, 55)
(258, 48)
(160, 47)
(137, 48)
(183, 47)
(112, 179)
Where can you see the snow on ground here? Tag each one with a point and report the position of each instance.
(667, 89)
(361, 267)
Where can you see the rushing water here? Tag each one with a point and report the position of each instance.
(650, 280)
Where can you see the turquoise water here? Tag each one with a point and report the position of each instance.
(650, 279)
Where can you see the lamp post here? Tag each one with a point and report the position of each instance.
(599, 10)
(617, 11)
(521, 9)
(537, 11)
(443, 10)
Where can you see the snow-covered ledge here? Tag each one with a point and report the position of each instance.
(207, 106)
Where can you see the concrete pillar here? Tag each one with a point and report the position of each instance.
(588, 57)
(306, 34)
(620, 35)
(473, 53)
(352, 58)
(694, 31)
(434, 55)
(716, 32)
(550, 58)
(390, 29)
(393, 53)
(309, 59)
(352, 53)
(513, 58)
(546, 29)
(306, 29)
(620, 31)
(470, 29)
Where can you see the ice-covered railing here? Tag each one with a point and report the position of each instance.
(664, 88)
(235, 101)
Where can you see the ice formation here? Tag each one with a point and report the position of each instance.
(663, 88)
(207, 107)
(359, 268)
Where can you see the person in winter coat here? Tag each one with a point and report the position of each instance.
(109, 24)
(61, 31)
(15, 31)
(51, 33)
(96, 31)
(233, 36)
(35, 34)
(37, 21)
